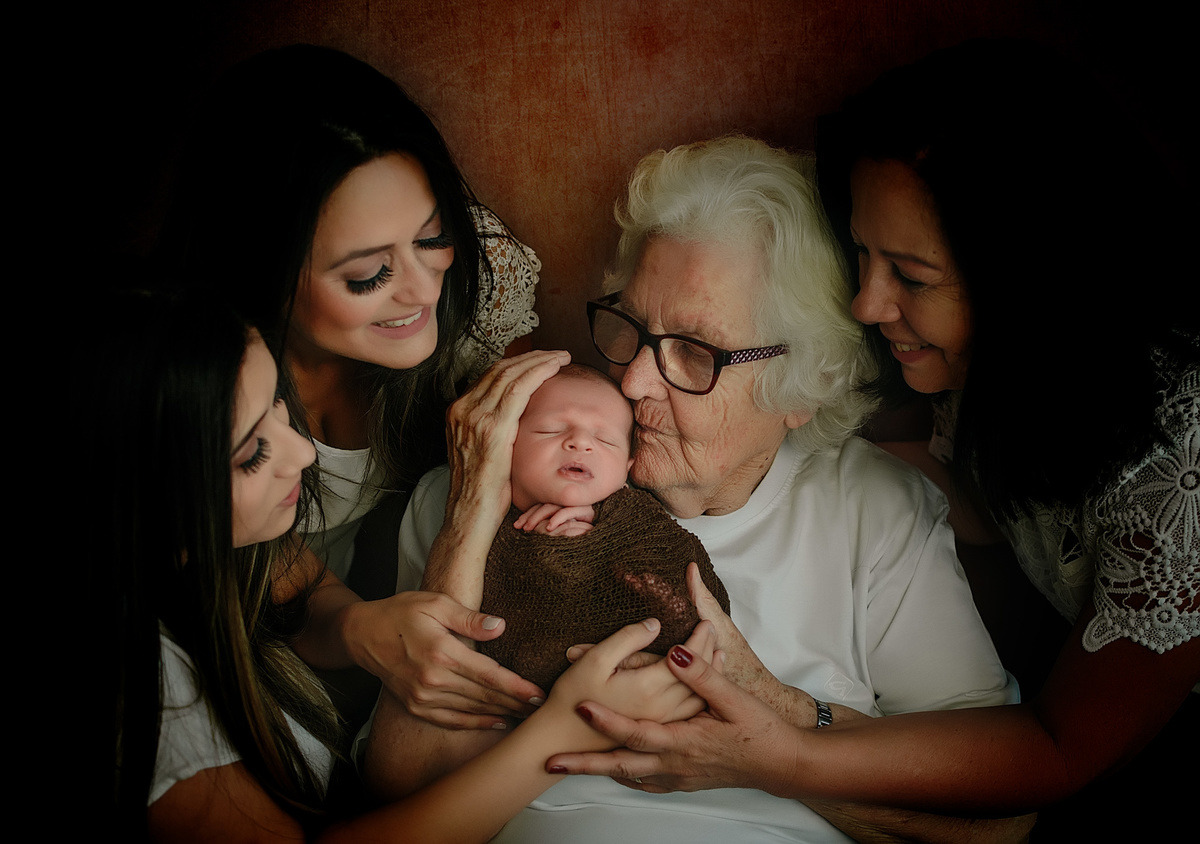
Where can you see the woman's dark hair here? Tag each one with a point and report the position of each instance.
(162, 384)
(1062, 223)
(274, 138)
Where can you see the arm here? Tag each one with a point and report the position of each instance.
(1097, 710)
(740, 742)
(473, 802)
(481, 430)
(409, 642)
(404, 753)
(728, 747)
(502, 779)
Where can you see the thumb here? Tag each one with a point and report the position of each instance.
(474, 625)
(707, 606)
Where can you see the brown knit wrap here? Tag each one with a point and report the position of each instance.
(558, 591)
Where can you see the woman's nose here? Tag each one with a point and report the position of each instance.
(642, 378)
(300, 452)
(418, 283)
(875, 301)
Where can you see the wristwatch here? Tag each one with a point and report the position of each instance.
(824, 714)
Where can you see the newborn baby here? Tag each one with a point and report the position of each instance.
(581, 554)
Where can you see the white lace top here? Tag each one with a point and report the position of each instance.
(1135, 546)
(505, 313)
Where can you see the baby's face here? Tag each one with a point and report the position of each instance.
(572, 444)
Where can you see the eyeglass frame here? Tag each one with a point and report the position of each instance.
(721, 357)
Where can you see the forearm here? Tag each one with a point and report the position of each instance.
(405, 753)
(879, 824)
(474, 801)
(957, 761)
(457, 559)
(458, 554)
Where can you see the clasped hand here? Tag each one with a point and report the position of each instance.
(736, 741)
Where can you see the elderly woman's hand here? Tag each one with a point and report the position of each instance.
(742, 665)
(737, 742)
(481, 428)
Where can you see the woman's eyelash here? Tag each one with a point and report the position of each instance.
(261, 453)
(441, 241)
(369, 285)
(905, 280)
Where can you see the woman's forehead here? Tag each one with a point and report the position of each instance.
(706, 290)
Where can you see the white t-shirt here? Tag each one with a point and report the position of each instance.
(842, 575)
(189, 741)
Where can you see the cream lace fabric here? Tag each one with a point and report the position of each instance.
(1135, 547)
(506, 311)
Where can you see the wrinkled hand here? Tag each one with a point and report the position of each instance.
(555, 520)
(481, 426)
(408, 641)
(742, 664)
(737, 742)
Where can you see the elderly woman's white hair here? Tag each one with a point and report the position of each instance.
(739, 191)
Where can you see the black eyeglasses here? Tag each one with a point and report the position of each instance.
(690, 365)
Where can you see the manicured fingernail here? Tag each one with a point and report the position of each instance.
(500, 726)
(536, 701)
(574, 652)
(556, 769)
(651, 624)
(583, 713)
(680, 656)
(491, 623)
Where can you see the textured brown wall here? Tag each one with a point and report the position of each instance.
(548, 105)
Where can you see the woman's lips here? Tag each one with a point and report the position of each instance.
(402, 327)
(292, 497)
(909, 352)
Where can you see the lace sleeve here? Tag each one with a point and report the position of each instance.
(1147, 531)
(506, 307)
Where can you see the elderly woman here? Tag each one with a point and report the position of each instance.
(1010, 263)
(728, 320)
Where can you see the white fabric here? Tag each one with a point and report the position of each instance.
(189, 741)
(505, 313)
(842, 575)
(1071, 553)
(346, 496)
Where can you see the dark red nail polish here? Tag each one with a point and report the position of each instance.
(680, 656)
(556, 769)
(584, 713)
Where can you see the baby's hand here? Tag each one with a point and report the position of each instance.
(553, 520)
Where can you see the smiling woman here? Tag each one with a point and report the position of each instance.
(317, 199)
(374, 276)
(909, 283)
